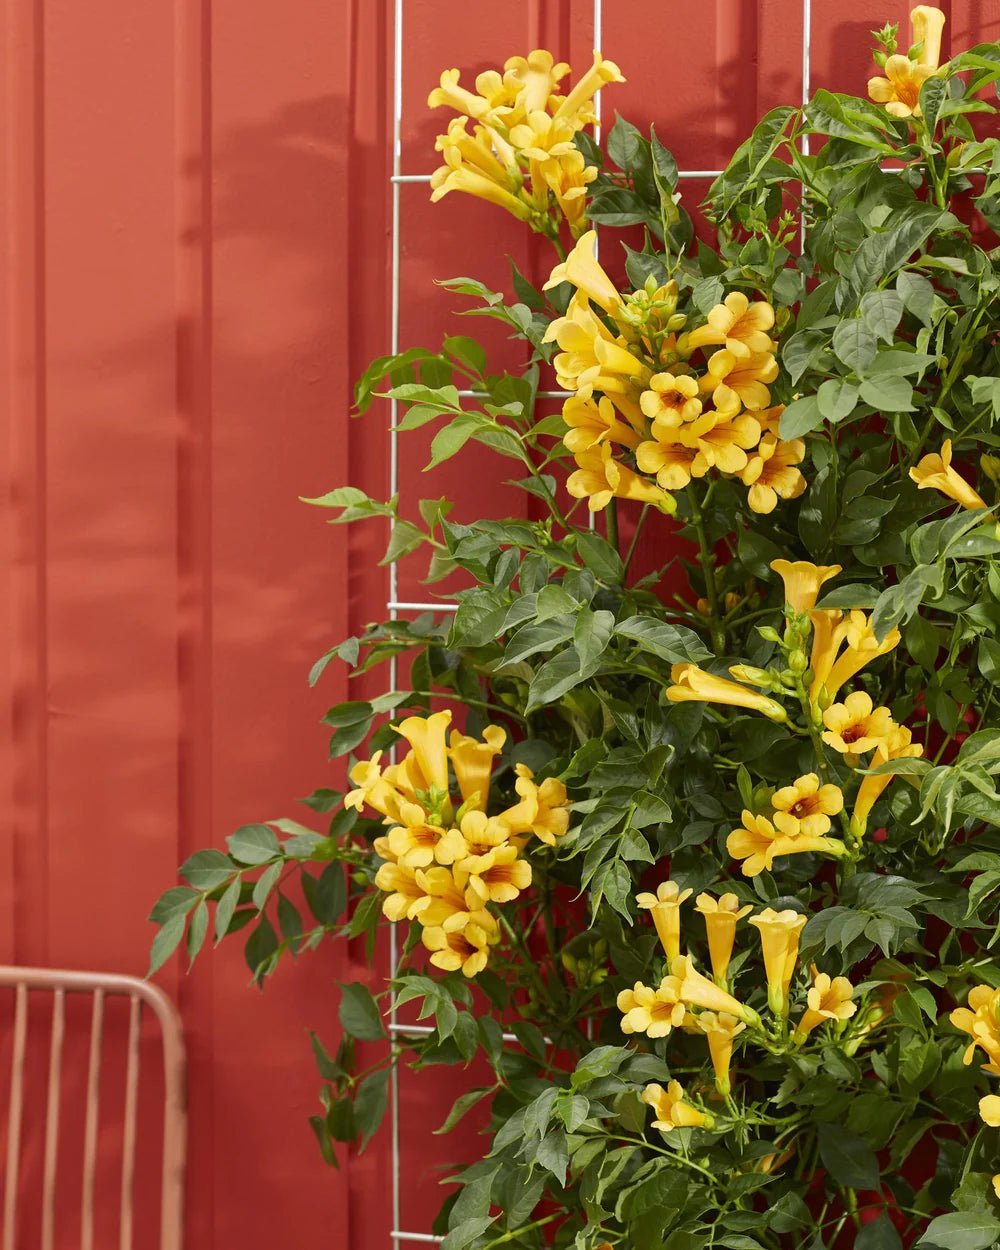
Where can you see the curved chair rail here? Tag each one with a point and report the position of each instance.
(100, 986)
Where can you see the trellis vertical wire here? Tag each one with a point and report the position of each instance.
(394, 605)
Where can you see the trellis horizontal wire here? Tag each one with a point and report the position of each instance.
(395, 605)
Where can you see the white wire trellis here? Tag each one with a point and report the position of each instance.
(394, 605)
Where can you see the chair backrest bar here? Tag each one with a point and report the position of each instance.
(99, 987)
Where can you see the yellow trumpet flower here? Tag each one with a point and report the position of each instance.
(741, 327)
(721, 916)
(653, 1012)
(472, 763)
(720, 1030)
(698, 991)
(832, 662)
(934, 472)
(758, 844)
(670, 1110)
(582, 269)
(779, 939)
(599, 75)
(771, 473)
(465, 950)
(856, 726)
(665, 906)
(426, 735)
(899, 90)
(405, 896)
(671, 400)
(542, 809)
(600, 478)
(672, 462)
(373, 788)
(722, 440)
(731, 378)
(898, 745)
(803, 581)
(989, 1113)
(534, 78)
(827, 999)
(805, 807)
(593, 421)
(692, 684)
(981, 1020)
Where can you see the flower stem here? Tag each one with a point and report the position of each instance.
(707, 558)
(611, 521)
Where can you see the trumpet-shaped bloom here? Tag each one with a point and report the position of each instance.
(989, 1113)
(805, 807)
(472, 763)
(426, 735)
(498, 877)
(721, 1029)
(673, 462)
(758, 844)
(472, 844)
(448, 906)
(542, 809)
(665, 906)
(405, 896)
(582, 269)
(654, 1012)
(856, 725)
(733, 380)
(898, 745)
(899, 88)
(741, 327)
(582, 93)
(698, 991)
(533, 79)
(671, 400)
(935, 472)
(465, 950)
(692, 684)
(771, 473)
(779, 940)
(600, 478)
(828, 999)
(373, 788)
(927, 22)
(803, 581)
(722, 440)
(981, 1020)
(721, 916)
(415, 842)
(671, 1110)
(593, 421)
(841, 650)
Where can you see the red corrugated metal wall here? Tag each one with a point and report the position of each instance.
(195, 219)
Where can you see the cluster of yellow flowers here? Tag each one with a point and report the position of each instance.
(520, 152)
(899, 88)
(981, 1020)
(687, 999)
(842, 645)
(444, 865)
(640, 393)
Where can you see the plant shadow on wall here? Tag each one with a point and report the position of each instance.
(710, 889)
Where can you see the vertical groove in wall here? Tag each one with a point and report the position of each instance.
(26, 853)
(193, 342)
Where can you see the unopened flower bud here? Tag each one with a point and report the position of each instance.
(768, 633)
(798, 661)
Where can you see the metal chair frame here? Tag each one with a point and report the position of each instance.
(100, 986)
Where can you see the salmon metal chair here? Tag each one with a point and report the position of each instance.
(64, 1051)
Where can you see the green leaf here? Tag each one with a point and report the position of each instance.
(848, 1158)
(253, 844)
(226, 907)
(359, 1013)
(205, 870)
(962, 1230)
(592, 634)
(880, 1234)
(674, 643)
(881, 312)
(855, 344)
(166, 941)
(837, 399)
(888, 394)
(463, 1104)
(801, 417)
(557, 676)
(265, 883)
(370, 1104)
